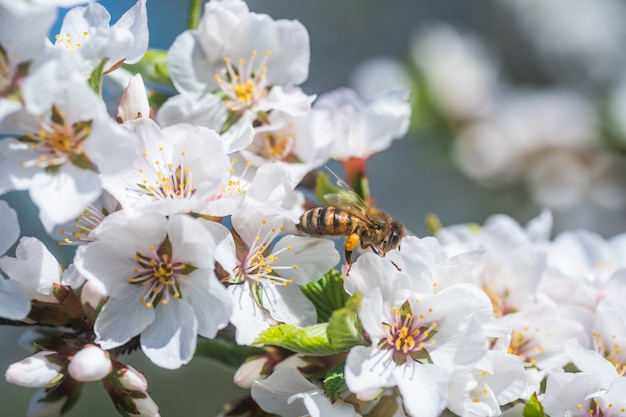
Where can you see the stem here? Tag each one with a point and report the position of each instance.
(195, 9)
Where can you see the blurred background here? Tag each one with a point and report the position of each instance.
(517, 105)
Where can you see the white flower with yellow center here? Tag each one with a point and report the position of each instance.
(417, 339)
(235, 66)
(158, 273)
(270, 270)
(300, 143)
(63, 139)
(87, 35)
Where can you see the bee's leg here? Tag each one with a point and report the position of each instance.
(351, 243)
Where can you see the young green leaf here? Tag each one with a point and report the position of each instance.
(326, 294)
(344, 328)
(310, 340)
(533, 407)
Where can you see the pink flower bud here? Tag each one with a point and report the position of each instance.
(90, 364)
(33, 372)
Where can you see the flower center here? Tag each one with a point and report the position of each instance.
(159, 274)
(611, 351)
(261, 263)
(498, 300)
(407, 334)
(278, 146)
(58, 141)
(526, 346)
(244, 84)
(71, 43)
(88, 220)
(172, 180)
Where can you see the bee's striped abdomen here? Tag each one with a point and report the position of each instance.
(326, 221)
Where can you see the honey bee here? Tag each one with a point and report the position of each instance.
(349, 215)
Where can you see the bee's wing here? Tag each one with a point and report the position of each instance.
(345, 196)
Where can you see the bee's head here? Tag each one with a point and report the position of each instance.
(395, 236)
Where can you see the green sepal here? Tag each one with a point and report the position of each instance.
(52, 169)
(226, 352)
(233, 117)
(153, 68)
(28, 139)
(310, 340)
(344, 328)
(533, 407)
(56, 116)
(335, 382)
(326, 294)
(66, 312)
(82, 161)
(165, 249)
(96, 76)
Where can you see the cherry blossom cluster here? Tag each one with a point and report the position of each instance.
(183, 207)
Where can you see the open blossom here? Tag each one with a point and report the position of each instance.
(235, 64)
(497, 379)
(267, 275)
(511, 267)
(300, 143)
(159, 275)
(180, 169)
(62, 140)
(418, 339)
(34, 267)
(363, 129)
(86, 33)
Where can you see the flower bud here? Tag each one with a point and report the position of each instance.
(90, 364)
(92, 294)
(147, 407)
(33, 372)
(132, 379)
(134, 101)
(251, 371)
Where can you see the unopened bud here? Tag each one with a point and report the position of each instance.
(147, 407)
(134, 102)
(251, 371)
(33, 372)
(132, 379)
(93, 293)
(90, 364)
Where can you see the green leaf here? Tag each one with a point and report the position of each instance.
(226, 352)
(344, 328)
(533, 407)
(335, 382)
(310, 340)
(153, 68)
(95, 79)
(326, 294)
